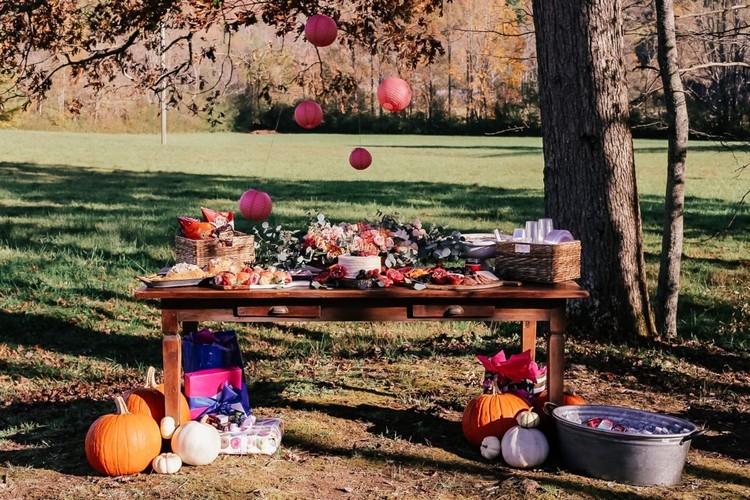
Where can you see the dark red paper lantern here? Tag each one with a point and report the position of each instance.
(321, 30)
(255, 205)
(394, 94)
(308, 114)
(360, 158)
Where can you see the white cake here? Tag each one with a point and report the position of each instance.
(354, 264)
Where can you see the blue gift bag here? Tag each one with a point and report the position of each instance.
(205, 349)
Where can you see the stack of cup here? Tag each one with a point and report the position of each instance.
(534, 232)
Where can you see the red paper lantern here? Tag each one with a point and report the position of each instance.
(308, 114)
(321, 30)
(360, 158)
(394, 94)
(255, 205)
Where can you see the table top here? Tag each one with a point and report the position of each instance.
(564, 290)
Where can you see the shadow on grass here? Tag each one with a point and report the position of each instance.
(32, 331)
(63, 209)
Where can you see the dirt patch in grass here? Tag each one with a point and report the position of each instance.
(379, 417)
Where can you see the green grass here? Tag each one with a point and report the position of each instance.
(83, 213)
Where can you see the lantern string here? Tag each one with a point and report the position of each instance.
(273, 139)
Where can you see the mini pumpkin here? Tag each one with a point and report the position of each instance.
(122, 442)
(525, 446)
(167, 426)
(166, 463)
(196, 442)
(490, 448)
(490, 415)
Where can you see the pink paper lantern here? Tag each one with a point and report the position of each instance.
(321, 30)
(255, 205)
(360, 158)
(308, 114)
(394, 94)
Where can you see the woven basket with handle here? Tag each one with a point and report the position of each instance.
(240, 247)
(538, 262)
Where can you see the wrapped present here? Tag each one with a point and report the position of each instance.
(216, 390)
(263, 436)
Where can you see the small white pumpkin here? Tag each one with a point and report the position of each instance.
(490, 448)
(196, 443)
(167, 426)
(166, 463)
(528, 419)
(523, 446)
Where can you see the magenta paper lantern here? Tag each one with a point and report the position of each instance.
(394, 94)
(308, 114)
(321, 30)
(255, 205)
(360, 158)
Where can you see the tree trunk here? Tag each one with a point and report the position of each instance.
(589, 171)
(668, 289)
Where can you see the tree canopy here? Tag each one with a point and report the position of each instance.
(101, 40)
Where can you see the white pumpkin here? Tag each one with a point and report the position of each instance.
(166, 463)
(167, 426)
(196, 443)
(524, 448)
(490, 447)
(528, 419)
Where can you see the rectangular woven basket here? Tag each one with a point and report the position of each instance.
(240, 247)
(538, 262)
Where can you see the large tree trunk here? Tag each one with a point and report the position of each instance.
(668, 290)
(589, 170)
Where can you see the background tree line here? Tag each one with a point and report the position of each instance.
(483, 81)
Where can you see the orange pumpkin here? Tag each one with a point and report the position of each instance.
(122, 442)
(149, 399)
(569, 398)
(491, 415)
(546, 423)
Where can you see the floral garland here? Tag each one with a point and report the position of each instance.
(400, 244)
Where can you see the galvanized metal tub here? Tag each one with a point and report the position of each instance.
(627, 457)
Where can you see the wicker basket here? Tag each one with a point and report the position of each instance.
(199, 252)
(538, 262)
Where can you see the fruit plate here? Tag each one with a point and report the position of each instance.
(251, 287)
(159, 282)
(481, 286)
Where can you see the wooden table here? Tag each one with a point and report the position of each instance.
(182, 309)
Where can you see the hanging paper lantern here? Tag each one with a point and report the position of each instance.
(321, 30)
(394, 94)
(308, 114)
(360, 158)
(255, 205)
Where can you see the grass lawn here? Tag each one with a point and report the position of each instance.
(82, 214)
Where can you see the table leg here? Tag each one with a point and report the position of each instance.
(171, 354)
(556, 355)
(171, 351)
(528, 338)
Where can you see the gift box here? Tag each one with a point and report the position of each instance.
(263, 436)
(216, 390)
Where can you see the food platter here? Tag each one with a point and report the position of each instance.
(463, 288)
(160, 282)
(252, 287)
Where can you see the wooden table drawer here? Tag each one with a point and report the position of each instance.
(452, 311)
(278, 311)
